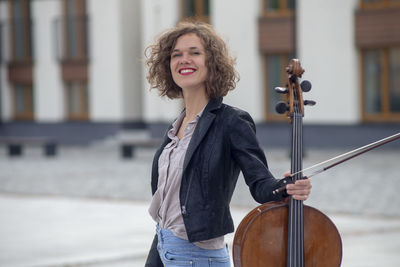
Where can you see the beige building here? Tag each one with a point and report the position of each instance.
(73, 69)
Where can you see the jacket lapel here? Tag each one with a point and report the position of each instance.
(201, 129)
(154, 171)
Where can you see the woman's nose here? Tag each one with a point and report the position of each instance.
(185, 58)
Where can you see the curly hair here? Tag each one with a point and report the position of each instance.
(222, 76)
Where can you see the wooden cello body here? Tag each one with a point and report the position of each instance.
(261, 238)
(288, 233)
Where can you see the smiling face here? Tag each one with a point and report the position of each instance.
(188, 62)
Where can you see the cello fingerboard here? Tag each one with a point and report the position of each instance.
(295, 248)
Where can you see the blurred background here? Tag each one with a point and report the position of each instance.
(79, 126)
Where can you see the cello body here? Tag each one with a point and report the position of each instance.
(261, 238)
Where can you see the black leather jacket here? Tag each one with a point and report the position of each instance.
(223, 143)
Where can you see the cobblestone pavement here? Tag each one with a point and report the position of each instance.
(364, 189)
(364, 185)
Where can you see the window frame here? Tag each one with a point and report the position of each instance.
(385, 115)
(283, 11)
(199, 7)
(28, 102)
(382, 4)
(80, 32)
(75, 67)
(274, 116)
(83, 101)
(27, 31)
(20, 66)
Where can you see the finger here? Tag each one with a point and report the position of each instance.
(298, 187)
(299, 192)
(300, 197)
(301, 186)
(303, 182)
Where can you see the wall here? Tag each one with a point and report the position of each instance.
(326, 48)
(105, 69)
(239, 28)
(47, 85)
(132, 59)
(158, 15)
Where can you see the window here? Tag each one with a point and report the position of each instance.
(278, 7)
(22, 102)
(277, 50)
(381, 84)
(394, 80)
(373, 73)
(276, 76)
(20, 59)
(196, 9)
(20, 25)
(77, 100)
(74, 61)
(380, 59)
(75, 30)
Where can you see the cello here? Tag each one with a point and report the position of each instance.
(288, 233)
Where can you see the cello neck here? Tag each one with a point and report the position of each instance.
(295, 248)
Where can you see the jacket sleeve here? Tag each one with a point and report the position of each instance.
(153, 259)
(251, 159)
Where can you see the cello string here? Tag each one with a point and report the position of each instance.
(297, 205)
(292, 241)
(295, 208)
(291, 209)
(299, 167)
(301, 223)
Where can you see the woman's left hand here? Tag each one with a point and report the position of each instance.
(300, 190)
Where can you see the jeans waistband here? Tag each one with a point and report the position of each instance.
(166, 236)
(167, 240)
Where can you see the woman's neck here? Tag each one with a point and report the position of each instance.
(195, 101)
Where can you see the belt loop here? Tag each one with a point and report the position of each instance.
(159, 234)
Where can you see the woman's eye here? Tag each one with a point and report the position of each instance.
(175, 55)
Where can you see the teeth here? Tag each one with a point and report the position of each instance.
(187, 71)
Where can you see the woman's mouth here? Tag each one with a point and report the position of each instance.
(186, 71)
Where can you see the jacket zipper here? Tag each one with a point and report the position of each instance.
(184, 211)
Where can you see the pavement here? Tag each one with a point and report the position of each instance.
(88, 207)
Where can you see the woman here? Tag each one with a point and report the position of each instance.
(195, 170)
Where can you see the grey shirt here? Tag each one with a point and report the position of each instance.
(165, 205)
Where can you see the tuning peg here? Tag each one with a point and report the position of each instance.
(309, 102)
(281, 107)
(281, 90)
(305, 86)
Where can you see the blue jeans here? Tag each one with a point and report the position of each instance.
(177, 252)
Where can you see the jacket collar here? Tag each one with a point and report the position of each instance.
(214, 103)
(202, 127)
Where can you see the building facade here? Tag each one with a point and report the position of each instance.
(74, 69)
